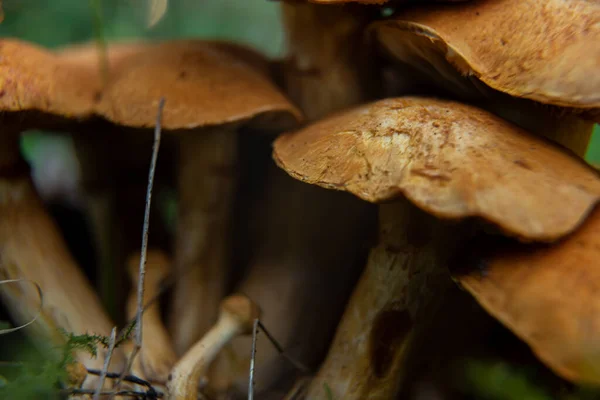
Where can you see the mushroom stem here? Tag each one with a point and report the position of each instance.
(206, 183)
(329, 66)
(157, 356)
(32, 249)
(403, 283)
(236, 317)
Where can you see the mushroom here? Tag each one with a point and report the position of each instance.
(112, 196)
(487, 51)
(547, 296)
(36, 91)
(236, 317)
(157, 356)
(452, 161)
(210, 93)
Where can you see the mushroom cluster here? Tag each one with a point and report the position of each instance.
(457, 129)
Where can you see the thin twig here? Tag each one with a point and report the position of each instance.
(278, 347)
(146, 228)
(142, 271)
(123, 393)
(111, 347)
(126, 378)
(298, 365)
(252, 360)
(39, 312)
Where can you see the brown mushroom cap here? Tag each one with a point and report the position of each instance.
(545, 51)
(449, 159)
(34, 79)
(204, 83)
(548, 296)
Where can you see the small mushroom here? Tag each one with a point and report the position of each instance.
(36, 91)
(157, 356)
(485, 50)
(547, 296)
(452, 161)
(236, 317)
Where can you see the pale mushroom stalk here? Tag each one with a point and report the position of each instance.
(329, 66)
(207, 164)
(33, 249)
(402, 284)
(237, 315)
(156, 357)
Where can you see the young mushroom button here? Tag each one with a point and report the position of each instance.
(237, 315)
(210, 93)
(449, 160)
(490, 51)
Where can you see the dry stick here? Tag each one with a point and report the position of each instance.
(278, 347)
(298, 365)
(41, 296)
(111, 347)
(252, 360)
(126, 378)
(142, 273)
(122, 393)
